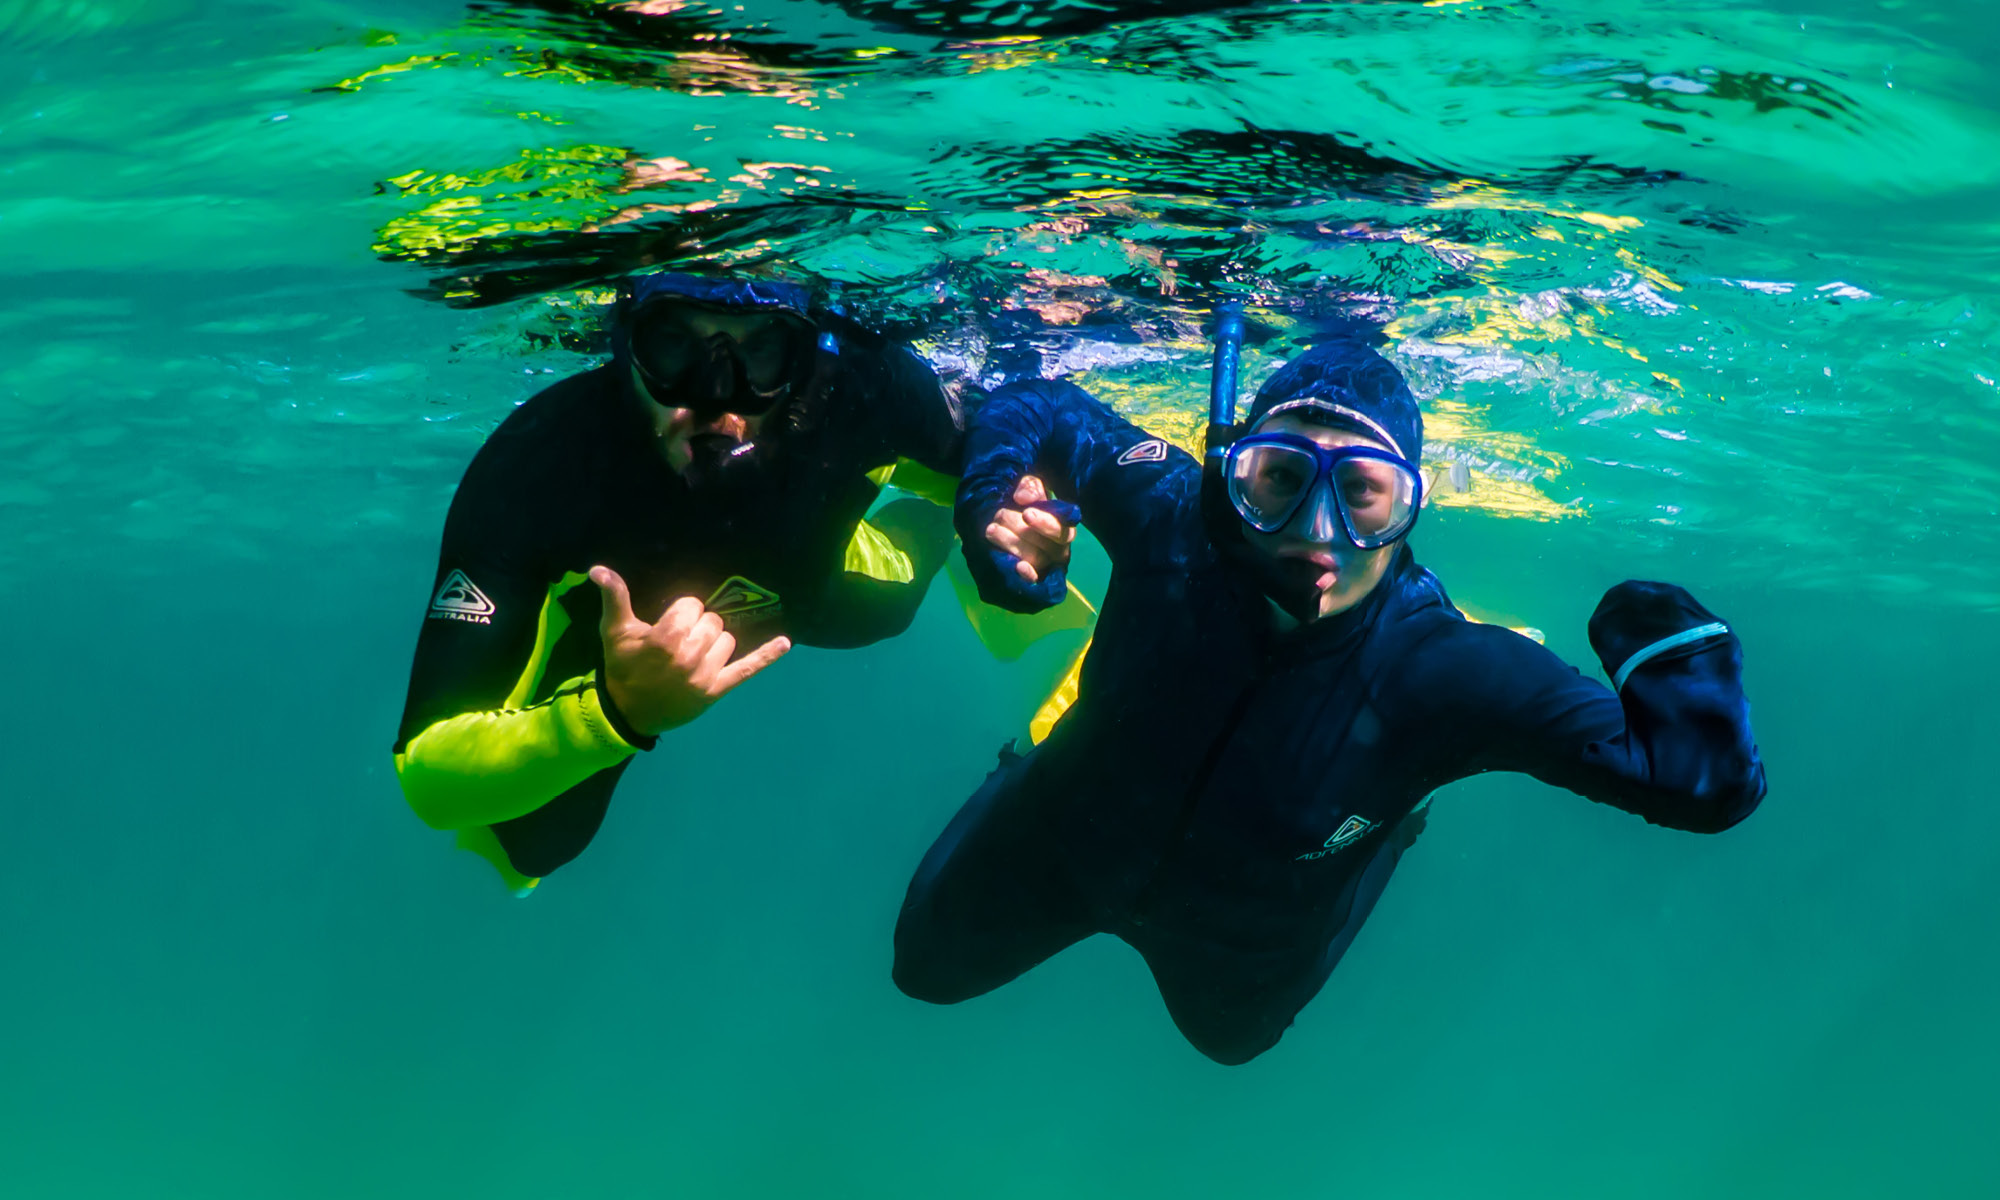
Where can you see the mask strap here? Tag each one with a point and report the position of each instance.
(639, 382)
(1684, 637)
(1375, 425)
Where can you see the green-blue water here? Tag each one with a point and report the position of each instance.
(1698, 291)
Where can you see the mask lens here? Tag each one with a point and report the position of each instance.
(1266, 483)
(768, 351)
(663, 342)
(683, 346)
(1378, 498)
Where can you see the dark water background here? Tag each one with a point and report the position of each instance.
(235, 395)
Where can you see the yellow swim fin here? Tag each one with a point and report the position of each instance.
(1059, 700)
(918, 480)
(1481, 617)
(481, 840)
(871, 553)
(1008, 635)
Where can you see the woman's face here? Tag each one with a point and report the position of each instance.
(1343, 573)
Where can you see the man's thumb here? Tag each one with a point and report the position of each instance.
(617, 600)
(1029, 491)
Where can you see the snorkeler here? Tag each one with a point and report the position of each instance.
(1274, 691)
(639, 539)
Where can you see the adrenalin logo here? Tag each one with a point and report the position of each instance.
(459, 599)
(1153, 451)
(739, 597)
(1350, 832)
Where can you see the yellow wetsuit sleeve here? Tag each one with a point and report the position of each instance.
(479, 768)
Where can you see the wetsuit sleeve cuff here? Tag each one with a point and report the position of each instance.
(615, 719)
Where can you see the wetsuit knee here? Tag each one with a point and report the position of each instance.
(1230, 1037)
(924, 970)
(1233, 1051)
(539, 842)
(988, 901)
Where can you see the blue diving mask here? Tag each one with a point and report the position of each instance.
(1370, 495)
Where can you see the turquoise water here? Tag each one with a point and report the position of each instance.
(1696, 291)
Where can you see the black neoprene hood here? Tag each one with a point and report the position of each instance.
(1348, 374)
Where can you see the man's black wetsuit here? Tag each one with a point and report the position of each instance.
(505, 724)
(1230, 799)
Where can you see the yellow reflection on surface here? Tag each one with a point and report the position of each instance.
(553, 188)
(1002, 53)
(1454, 422)
(1178, 428)
(1456, 432)
(1504, 498)
(1154, 405)
(1652, 275)
(1504, 318)
(408, 64)
(1477, 193)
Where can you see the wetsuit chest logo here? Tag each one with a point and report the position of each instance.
(459, 599)
(740, 599)
(1352, 830)
(1153, 451)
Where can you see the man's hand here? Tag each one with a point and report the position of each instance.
(1035, 536)
(664, 675)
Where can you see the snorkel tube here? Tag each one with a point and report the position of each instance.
(1222, 381)
(1219, 516)
(1224, 530)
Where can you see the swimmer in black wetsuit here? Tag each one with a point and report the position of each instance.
(1274, 690)
(711, 481)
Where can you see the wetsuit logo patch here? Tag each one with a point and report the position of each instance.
(459, 599)
(1153, 451)
(739, 597)
(1351, 831)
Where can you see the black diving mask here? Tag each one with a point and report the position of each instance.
(714, 360)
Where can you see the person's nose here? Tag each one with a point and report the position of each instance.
(1316, 521)
(721, 358)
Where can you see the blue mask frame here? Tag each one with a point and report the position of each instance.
(1327, 460)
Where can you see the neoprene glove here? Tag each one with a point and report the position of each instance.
(1687, 718)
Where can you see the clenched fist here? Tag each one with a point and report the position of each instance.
(1036, 537)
